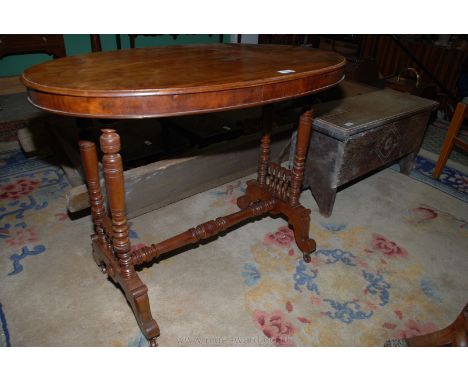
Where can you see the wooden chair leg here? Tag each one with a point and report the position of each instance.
(452, 132)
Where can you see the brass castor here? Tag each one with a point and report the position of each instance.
(153, 342)
(306, 257)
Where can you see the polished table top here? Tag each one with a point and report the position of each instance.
(173, 80)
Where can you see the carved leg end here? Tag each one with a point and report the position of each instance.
(137, 295)
(300, 222)
(306, 245)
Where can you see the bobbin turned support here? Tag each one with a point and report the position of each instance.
(274, 181)
(201, 232)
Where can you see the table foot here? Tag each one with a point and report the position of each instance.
(306, 257)
(137, 296)
(297, 216)
(135, 291)
(153, 342)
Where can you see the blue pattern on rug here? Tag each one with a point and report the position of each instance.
(251, 274)
(451, 181)
(430, 289)
(4, 334)
(304, 276)
(333, 226)
(25, 252)
(347, 311)
(377, 285)
(335, 255)
(26, 185)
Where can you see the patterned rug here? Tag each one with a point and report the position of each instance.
(391, 262)
(451, 181)
(435, 136)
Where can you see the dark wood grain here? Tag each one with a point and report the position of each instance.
(178, 80)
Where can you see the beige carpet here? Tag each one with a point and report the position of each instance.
(391, 263)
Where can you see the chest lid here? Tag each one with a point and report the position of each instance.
(353, 115)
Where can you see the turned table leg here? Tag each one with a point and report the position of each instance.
(113, 175)
(96, 200)
(265, 145)
(302, 145)
(263, 158)
(301, 221)
(282, 185)
(135, 291)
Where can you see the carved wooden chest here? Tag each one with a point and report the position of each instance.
(353, 136)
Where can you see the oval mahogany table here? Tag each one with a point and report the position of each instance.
(177, 80)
